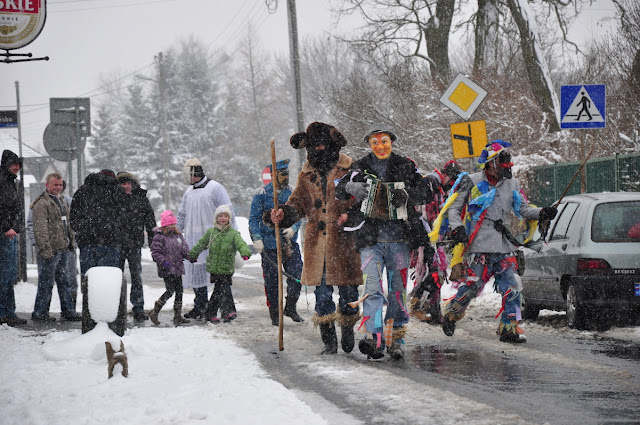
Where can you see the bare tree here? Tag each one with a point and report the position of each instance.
(409, 28)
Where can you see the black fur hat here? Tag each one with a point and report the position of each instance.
(318, 133)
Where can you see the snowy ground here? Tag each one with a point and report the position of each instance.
(202, 374)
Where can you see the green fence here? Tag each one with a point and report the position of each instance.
(619, 173)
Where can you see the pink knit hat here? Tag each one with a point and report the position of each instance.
(167, 218)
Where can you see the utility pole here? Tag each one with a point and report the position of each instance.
(166, 192)
(295, 68)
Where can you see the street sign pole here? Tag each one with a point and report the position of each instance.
(22, 248)
(78, 144)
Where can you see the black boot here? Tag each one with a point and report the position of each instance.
(275, 316)
(290, 309)
(347, 338)
(193, 314)
(448, 326)
(329, 337)
(368, 346)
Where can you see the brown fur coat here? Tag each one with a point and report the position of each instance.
(325, 242)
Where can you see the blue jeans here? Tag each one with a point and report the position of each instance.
(292, 265)
(324, 298)
(394, 257)
(54, 269)
(8, 274)
(94, 256)
(134, 257)
(507, 282)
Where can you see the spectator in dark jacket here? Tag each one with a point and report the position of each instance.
(138, 217)
(11, 224)
(97, 214)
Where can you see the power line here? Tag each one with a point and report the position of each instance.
(129, 4)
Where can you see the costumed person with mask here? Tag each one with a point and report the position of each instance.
(331, 259)
(489, 197)
(195, 215)
(388, 227)
(264, 243)
(424, 302)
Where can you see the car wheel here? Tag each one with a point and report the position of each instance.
(530, 311)
(576, 315)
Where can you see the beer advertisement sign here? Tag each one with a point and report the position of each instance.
(20, 22)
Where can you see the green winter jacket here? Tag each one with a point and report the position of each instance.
(222, 245)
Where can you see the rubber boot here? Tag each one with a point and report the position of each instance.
(290, 309)
(275, 317)
(329, 338)
(347, 338)
(177, 314)
(153, 314)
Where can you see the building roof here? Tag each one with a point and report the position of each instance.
(11, 143)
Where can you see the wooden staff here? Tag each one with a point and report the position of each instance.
(274, 181)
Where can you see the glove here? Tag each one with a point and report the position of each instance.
(459, 235)
(166, 265)
(245, 258)
(399, 198)
(288, 233)
(358, 190)
(548, 213)
(258, 246)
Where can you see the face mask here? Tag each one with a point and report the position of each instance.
(503, 165)
(380, 144)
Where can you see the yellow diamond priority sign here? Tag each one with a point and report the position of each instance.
(463, 96)
(468, 138)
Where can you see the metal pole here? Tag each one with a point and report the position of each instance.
(583, 171)
(295, 68)
(166, 192)
(297, 90)
(78, 142)
(22, 248)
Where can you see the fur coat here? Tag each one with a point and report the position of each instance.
(325, 243)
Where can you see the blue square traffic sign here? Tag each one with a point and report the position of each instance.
(583, 106)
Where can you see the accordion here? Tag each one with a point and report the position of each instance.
(378, 204)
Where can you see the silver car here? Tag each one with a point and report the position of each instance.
(589, 264)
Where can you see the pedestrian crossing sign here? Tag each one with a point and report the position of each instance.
(583, 106)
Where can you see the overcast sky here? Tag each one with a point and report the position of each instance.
(85, 39)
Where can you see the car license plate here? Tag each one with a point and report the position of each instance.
(637, 289)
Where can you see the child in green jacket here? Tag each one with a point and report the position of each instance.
(222, 241)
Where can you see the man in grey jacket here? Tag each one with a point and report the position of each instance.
(490, 196)
(54, 240)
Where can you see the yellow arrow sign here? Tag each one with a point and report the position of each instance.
(468, 139)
